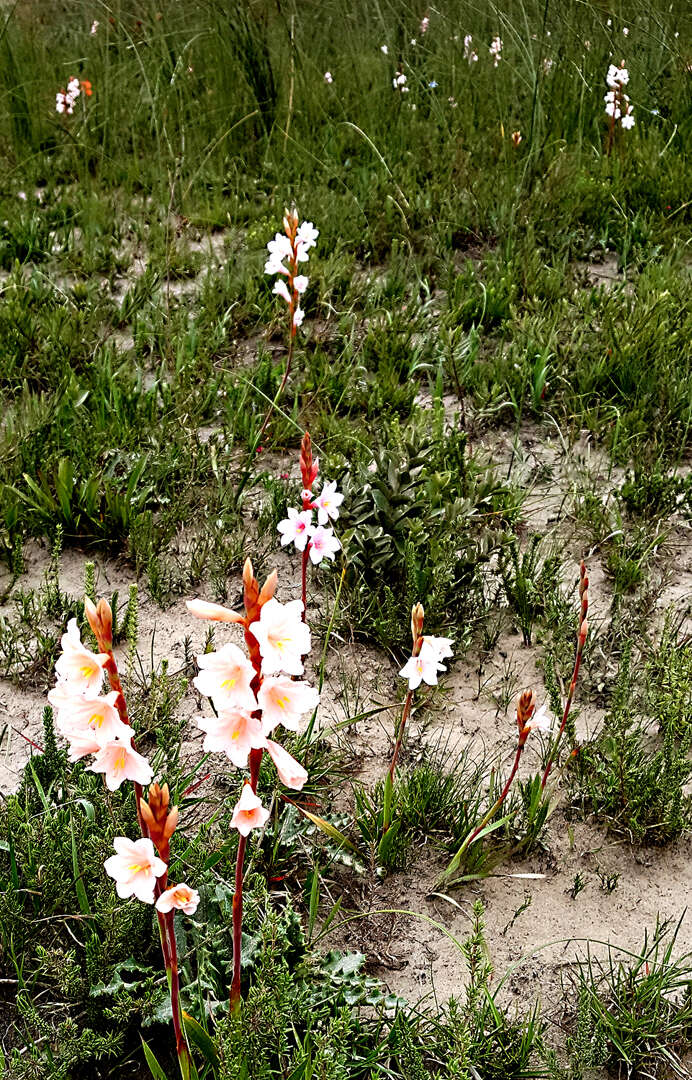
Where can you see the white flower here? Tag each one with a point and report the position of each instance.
(306, 238)
(284, 700)
(295, 529)
(327, 503)
(135, 868)
(328, 77)
(298, 316)
(282, 636)
(540, 721)
(281, 289)
(384, 49)
(279, 249)
(234, 732)
(418, 669)
(424, 24)
(495, 49)
(94, 27)
(226, 677)
(625, 31)
(323, 544)
(78, 715)
(300, 283)
(628, 120)
(439, 647)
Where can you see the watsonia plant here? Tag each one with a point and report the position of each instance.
(98, 725)
(251, 695)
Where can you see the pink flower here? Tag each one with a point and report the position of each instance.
(283, 701)
(225, 676)
(328, 502)
(323, 544)
(82, 715)
(135, 868)
(202, 609)
(300, 283)
(81, 744)
(234, 732)
(179, 897)
(248, 813)
(120, 761)
(282, 637)
(298, 316)
(77, 665)
(295, 528)
(291, 772)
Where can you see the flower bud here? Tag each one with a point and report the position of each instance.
(417, 615)
(525, 708)
(100, 619)
(268, 589)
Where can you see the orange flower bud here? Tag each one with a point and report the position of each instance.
(268, 589)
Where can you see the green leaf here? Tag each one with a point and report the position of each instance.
(39, 787)
(201, 1039)
(388, 797)
(330, 830)
(154, 1067)
(82, 897)
(387, 842)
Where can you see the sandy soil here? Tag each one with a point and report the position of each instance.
(410, 937)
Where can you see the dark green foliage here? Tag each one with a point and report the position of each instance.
(635, 1013)
(420, 518)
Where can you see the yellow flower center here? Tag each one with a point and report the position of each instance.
(136, 868)
(96, 719)
(229, 682)
(87, 670)
(119, 762)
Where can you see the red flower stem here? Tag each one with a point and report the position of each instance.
(568, 706)
(255, 762)
(174, 983)
(304, 582)
(121, 705)
(503, 795)
(293, 263)
(168, 947)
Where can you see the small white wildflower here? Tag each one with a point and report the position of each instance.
(328, 77)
